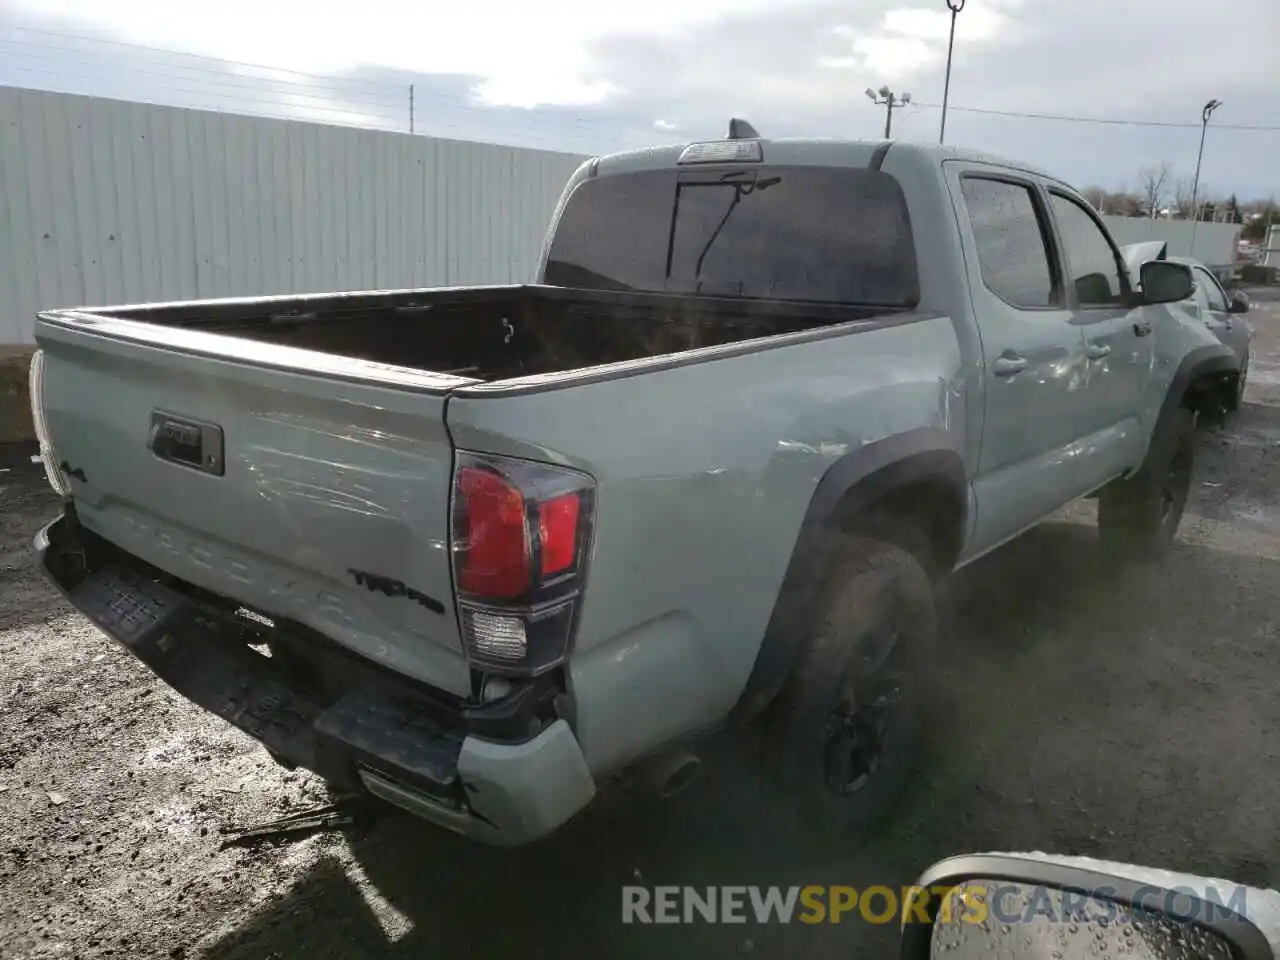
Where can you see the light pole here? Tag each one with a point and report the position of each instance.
(955, 6)
(885, 97)
(1205, 114)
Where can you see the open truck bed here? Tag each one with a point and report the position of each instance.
(474, 333)
(290, 451)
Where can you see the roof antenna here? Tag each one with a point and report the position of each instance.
(741, 130)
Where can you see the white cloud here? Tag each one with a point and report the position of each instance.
(892, 58)
(584, 76)
(976, 23)
(917, 22)
(525, 54)
(842, 63)
(909, 38)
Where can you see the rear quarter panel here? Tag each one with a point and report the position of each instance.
(704, 473)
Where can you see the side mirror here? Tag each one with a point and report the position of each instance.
(1164, 281)
(1239, 302)
(1033, 906)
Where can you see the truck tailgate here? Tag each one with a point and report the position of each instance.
(304, 491)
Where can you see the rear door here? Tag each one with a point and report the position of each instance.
(304, 486)
(1033, 354)
(1119, 341)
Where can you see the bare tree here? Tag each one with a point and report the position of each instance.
(1153, 186)
(1097, 198)
(1124, 204)
(1182, 193)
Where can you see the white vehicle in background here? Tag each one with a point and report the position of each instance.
(1222, 312)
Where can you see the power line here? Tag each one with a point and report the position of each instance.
(298, 101)
(234, 84)
(1112, 121)
(390, 89)
(393, 91)
(306, 112)
(192, 56)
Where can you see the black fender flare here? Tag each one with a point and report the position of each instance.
(1203, 361)
(853, 482)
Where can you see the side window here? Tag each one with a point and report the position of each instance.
(1216, 299)
(1094, 265)
(1010, 235)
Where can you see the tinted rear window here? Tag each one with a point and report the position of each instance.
(790, 233)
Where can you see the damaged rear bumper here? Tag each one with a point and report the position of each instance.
(383, 736)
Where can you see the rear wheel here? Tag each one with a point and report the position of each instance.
(1138, 517)
(842, 737)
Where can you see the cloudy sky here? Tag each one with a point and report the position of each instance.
(587, 77)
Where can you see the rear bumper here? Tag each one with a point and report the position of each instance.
(384, 737)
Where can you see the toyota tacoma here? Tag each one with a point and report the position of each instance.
(478, 550)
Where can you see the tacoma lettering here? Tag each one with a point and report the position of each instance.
(394, 588)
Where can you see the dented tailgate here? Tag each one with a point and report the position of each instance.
(302, 485)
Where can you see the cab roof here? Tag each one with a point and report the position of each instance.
(809, 151)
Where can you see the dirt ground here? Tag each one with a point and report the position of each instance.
(1130, 716)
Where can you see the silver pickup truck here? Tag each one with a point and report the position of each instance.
(478, 550)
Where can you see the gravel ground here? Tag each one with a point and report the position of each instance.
(1128, 716)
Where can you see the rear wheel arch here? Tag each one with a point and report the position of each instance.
(909, 490)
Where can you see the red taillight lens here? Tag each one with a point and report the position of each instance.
(558, 530)
(495, 561)
(521, 538)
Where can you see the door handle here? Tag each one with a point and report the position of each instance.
(1096, 351)
(1008, 366)
(1142, 328)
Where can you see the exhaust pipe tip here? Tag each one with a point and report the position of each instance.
(672, 773)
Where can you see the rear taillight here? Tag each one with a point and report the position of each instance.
(521, 536)
(35, 386)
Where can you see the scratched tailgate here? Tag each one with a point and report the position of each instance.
(302, 485)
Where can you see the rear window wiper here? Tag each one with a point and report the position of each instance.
(740, 190)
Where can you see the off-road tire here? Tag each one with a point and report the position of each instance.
(872, 587)
(1138, 517)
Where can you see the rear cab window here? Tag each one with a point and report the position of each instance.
(822, 234)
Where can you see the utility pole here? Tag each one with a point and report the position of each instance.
(955, 6)
(411, 108)
(886, 98)
(1205, 114)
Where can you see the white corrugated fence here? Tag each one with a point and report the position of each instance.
(1210, 243)
(103, 201)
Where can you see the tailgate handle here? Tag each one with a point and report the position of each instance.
(186, 442)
